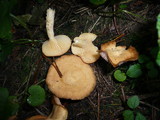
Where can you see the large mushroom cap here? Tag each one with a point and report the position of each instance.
(78, 79)
(117, 55)
(84, 47)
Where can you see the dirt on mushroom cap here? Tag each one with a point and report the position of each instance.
(78, 79)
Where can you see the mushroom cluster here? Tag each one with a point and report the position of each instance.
(71, 76)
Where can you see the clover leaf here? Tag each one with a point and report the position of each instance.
(8, 104)
(143, 59)
(3, 98)
(119, 75)
(128, 115)
(139, 116)
(133, 102)
(134, 71)
(37, 95)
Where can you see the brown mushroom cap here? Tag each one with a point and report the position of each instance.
(117, 55)
(78, 79)
(84, 47)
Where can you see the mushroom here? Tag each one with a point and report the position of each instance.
(59, 112)
(84, 47)
(56, 45)
(77, 81)
(37, 117)
(117, 55)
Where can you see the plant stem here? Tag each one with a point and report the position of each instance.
(54, 65)
(118, 37)
(135, 15)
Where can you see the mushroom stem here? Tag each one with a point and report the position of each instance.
(50, 23)
(56, 100)
(56, 45)
(50, 27)
(58, 112)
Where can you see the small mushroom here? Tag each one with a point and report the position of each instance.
(117, 55)
(56, 45)
(59, 112)
(77, 81)
(84, 47)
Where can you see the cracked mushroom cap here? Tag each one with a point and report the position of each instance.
(117, 55)
(78, 79)
(84, 47)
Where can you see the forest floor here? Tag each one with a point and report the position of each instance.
(26, 65)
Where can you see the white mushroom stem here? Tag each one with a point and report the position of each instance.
(50, 23)
(57, 100)
(50, 26)
(56, 45)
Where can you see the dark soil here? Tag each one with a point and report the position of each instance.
(26, 65)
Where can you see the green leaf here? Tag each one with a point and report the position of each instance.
(134, 71)
(150, 65)
(133, 102)
(22, 23)
(158, 25)
(122, 6)
(119, 75)
(3, 98)
(158, 58)
(25, 18)
(97, 2)
(37, 95)
(153, 73)
(128, 115)
(143, 59)
(139, 116)
(8, 104)
(5, 21)
(154, 51)
(6, 7)
(11, 108)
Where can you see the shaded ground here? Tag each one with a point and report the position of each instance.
(26, 66)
